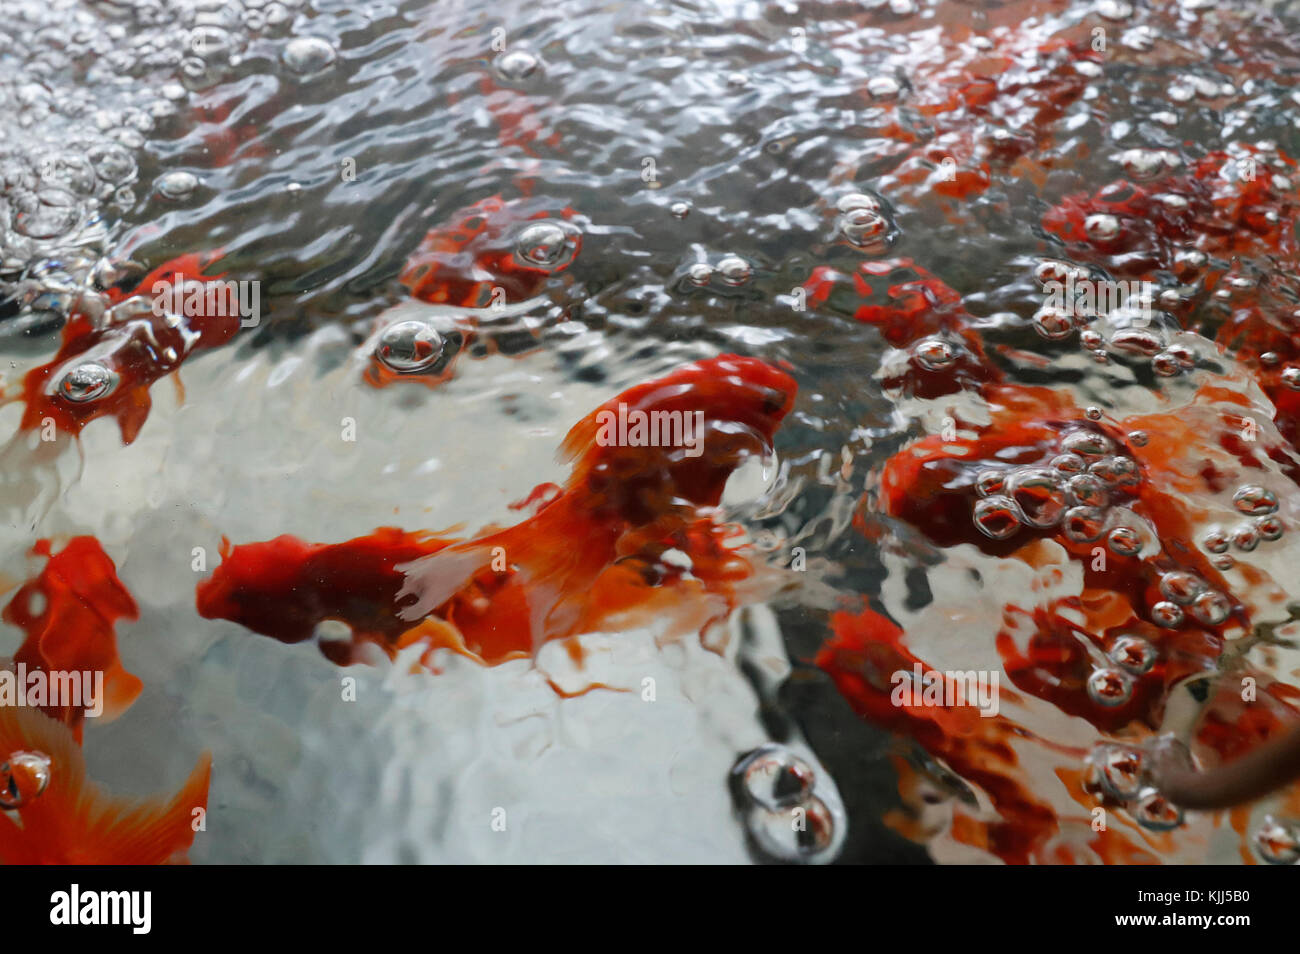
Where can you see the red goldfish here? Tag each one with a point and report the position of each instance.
(57, 816)
(127, 352)
(592, 555)
(68, 613)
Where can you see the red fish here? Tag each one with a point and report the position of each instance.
(62, 818)
(593, 553)
(68, 614)
(138, 347)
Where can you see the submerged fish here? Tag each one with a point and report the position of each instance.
(68, 613)
(53, 814)
(106, 366)
(596, 553)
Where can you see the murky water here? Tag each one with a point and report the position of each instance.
(876, 194)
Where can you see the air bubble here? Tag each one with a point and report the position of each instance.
(1167, 614)
(1133, 654)
(1181, 587)
(87, 382)
(407, 346)
(1087, 443)
(1211, 608)
(177, 184)
(1276, 842)
(1101, 227)
(23, 777)
(1038, 495)
(997, 517)
(308, 54)
(1084, 524)
(934, 354)
(1110, 687)
(775, 778)
(547, 246)
(1270, 527)
(1255, 501)
(1124, 541)
(1155, 812)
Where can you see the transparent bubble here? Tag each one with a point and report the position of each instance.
(411, 345)
(1084, 524)
(865, 228)
(1110, 687)
(775, 778)
(1141, 341)
(1166, 365)
(857, 200)
(177, 184)
(1038, 495)
(1216, 540)
(1181, 587)
(934, 354)
(1291, 377)
(1255, 501)
(700, 273)
(1167, 614)
(1121, 771)
(87, 382)
(1053, 323)
(1139, 438)
(1270, 527)
(796, 833)
(883, 87)
(305, 55)
(1144, 164)
(1277, 842)
(547, 245)
(23, 777)
(1245, 537)
(734, 270)
(1211, 608)
(1069, 464)
(679, 210)
(1101, 226)
(1088, 490)
(989, 482)
(997, 517)
(1124, 541)
(1086, 443)
(1133, 654)
(1155, 812)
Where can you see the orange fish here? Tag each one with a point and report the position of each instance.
(596, 552)
(68, 613)
(57, 816)
(128, 353)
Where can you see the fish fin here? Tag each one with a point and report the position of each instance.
(148, 832)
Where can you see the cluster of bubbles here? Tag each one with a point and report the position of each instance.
(864, 223)
(1258, 505)
(23, 777)
(1120, 771)
(790, 813)
(1134, 327)
(1073, 491)
(728, 272)
(1130, 656)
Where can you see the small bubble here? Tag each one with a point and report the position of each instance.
(1101, 227)
(1133, 654)
(1255, 501)
(734, 270)
(1087, 490)
(1110, 687)
(1211, 608)
(549, 246)
(1216, 540)
(1139, 438)
(989, 482)
(779, 835)
(1167, 614)
(23, 777)
(1121, 771)
(700, 273)
(1270, 527)
(1277, 843)
(1084, 524)
(774, 777)
(1245, 537)
(883, 87)
(857, 200)
(87, 382)
(1291, 377)
(1155, 812)
(177, 184)
(1053, 323)
(679, 210)
(1181, 587)
(1069, 463)
(1124, 541)
(516, 65)
(1166, 365)
(406, 346)
(1087, 443)
(308, 54)
(997, 517)
(934, 354)
(864, 228)
(1038, 496)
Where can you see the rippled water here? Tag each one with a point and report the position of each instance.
(714, 159)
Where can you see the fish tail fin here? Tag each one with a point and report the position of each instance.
(154, 831)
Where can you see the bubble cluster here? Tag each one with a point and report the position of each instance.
(791, 813)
